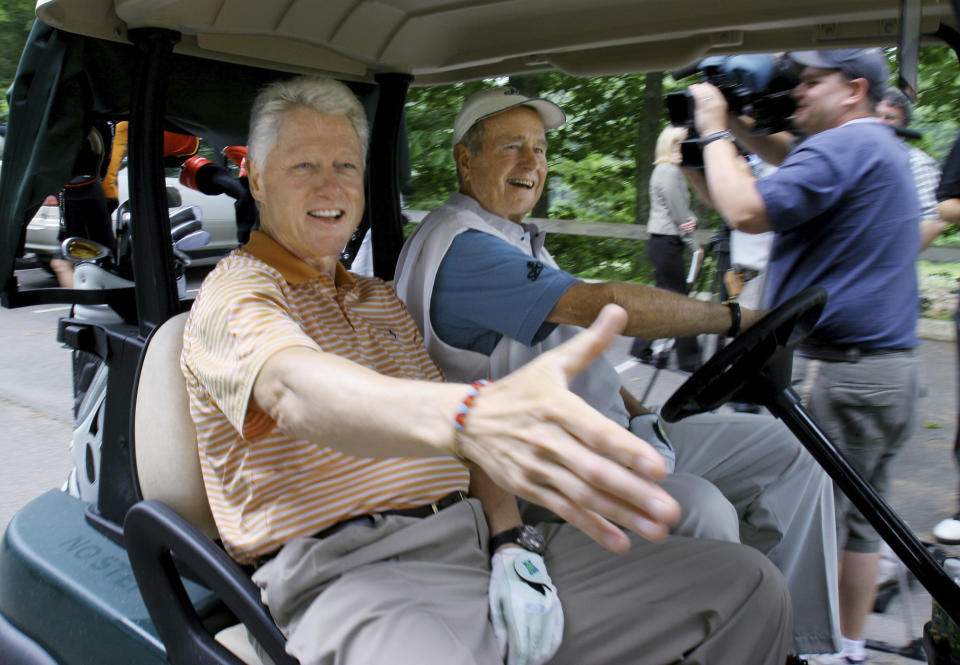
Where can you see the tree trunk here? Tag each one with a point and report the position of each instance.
(648, 127)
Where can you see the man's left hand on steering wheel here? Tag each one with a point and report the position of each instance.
(524, 607)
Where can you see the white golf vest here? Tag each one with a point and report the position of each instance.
(598, 385)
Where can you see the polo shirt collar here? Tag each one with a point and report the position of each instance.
(294, 270)
(523, 232)
(864, 119)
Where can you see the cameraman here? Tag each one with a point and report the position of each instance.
(845, 215)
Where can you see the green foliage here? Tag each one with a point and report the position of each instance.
(938, 288)
(430, 116)
(938, 92)
(595, 188)
(595, 257)
(16, 19)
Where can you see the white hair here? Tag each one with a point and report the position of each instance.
(279, 98)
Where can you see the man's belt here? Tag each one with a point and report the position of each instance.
(842, 353)
(430, 508)
(418, 511)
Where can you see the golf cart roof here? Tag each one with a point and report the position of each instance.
(444, 41)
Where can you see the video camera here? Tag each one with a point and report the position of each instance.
(755, 85)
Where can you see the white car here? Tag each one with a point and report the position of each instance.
(219, 218)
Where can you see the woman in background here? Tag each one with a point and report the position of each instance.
(671, 225)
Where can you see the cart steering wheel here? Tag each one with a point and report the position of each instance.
(756, 367)
(764, 351)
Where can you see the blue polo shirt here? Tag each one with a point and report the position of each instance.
(486, 288)
(845, 211)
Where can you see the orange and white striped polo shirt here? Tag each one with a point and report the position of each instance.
(265, 487)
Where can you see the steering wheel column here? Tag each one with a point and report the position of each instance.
(756, 367)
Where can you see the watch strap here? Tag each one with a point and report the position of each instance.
(504, 537)
(525, 536)
(726, 134)
(735, 317)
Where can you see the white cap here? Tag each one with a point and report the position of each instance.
(489, 102)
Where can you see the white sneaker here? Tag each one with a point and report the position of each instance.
(948, 531)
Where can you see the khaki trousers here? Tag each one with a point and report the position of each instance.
(408, 591)
(784, 504)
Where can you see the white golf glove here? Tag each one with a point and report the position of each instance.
(524, 607)
(647, 427)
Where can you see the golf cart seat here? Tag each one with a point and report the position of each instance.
(173, 528)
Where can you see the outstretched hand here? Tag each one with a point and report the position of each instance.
(539, 441)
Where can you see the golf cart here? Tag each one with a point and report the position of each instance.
(136, 576)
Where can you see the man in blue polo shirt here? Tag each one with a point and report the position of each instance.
(488, 297)
(844, 210)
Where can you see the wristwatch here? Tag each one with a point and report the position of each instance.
(525, 536)
(726, 134)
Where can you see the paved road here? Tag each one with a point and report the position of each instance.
(35, 405)
(35, 410)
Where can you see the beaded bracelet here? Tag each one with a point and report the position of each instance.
(464, 407)
(460, 417)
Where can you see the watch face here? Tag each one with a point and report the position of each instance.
(531, 539)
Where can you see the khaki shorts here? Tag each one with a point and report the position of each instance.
(866, 408)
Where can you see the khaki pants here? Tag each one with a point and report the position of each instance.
(409, 591)
(784, 502)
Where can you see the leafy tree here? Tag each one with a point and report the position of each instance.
(935, 114)
(430, 115)
(16, 19)
(938, 86)
(649, 125)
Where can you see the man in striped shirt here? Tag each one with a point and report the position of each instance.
(895, 110)
(333, 461)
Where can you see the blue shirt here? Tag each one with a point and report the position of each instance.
(845, 211)
(486, 288)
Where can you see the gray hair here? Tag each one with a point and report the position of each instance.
(894, 97)
(473, 138)
(323, 95)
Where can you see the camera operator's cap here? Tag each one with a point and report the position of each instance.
(868, 63)
(486, 103)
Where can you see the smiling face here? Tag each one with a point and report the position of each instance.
(506, 175)
(310, 190)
